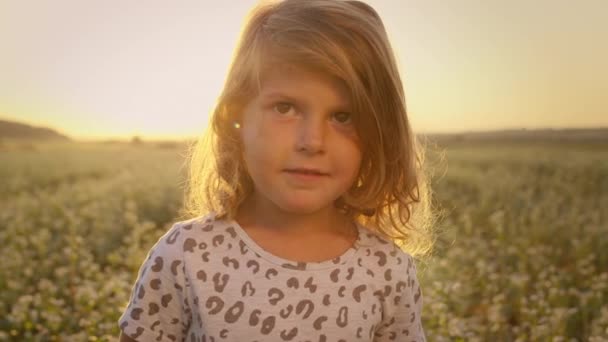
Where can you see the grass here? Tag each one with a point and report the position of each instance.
(520, 256)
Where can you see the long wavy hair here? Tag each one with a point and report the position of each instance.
(346, 40)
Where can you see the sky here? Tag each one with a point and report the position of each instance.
(114, 69)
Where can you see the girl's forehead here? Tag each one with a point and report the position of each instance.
(293, 77)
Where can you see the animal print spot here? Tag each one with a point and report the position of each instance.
(138, 332)
(253, 264)
(387, 275)
(135, 313)
(271, 272)
(247, 287)
(310, 286)
(359, 331)
(142, 292)
(234, 312)
(154, 325)
(166, 299)
(417, 295)
(217, 240)
(387, 290)
(215, 304)
(254, 318)
(326, 300)
(381, 258)
(317, 324)
(201, 275)
(334, 275)
(351, 271)
(220, 281)
(341, 291)
(336, 260)
(152, 309)
(187, 226)
(173, 237)
(400, 286)
(178, 287)
(155, 284)
(202, 245)
(308, 304)
(189, 245)
(231, 231)
(285, 312)
(288, 336)
(292, 283)
(174, 265)
(158, 264)
(205, 256)
(342, 319)
(275, 295)
(207, 228)
(268, 325)
(224, 333)
(228, 261)
(243, 247)
(357, 292)
(413, 317)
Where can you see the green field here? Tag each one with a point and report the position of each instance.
(521, 255)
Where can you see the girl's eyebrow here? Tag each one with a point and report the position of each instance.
(275, 94)
(278, 94)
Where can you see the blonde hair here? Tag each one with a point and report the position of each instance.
(347, 40)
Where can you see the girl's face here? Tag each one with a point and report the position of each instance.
(300, 144)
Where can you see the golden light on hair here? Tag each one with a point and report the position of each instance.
(345, 40)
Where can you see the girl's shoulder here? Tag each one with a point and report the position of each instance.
(185, 235)
(380, 253)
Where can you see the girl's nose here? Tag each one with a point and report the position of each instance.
(311, 135)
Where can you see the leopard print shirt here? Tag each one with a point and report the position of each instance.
(206, 280)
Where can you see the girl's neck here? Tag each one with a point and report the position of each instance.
(260, 214)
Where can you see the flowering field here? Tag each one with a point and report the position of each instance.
(522, 252)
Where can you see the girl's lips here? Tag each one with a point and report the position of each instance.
(312, 172)
(305, 176)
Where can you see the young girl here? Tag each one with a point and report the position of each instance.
(306, 193)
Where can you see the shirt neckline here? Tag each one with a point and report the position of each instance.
(298, 265)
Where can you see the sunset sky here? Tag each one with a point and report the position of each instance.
(114, 69)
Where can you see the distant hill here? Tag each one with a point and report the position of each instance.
(12, 130)
(582, 135)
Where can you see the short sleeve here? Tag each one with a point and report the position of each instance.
(158, 307)
(402, 319)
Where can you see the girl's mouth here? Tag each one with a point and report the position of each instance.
(309, 172)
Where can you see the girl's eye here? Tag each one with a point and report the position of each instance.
(283, 107)
(343, 117)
